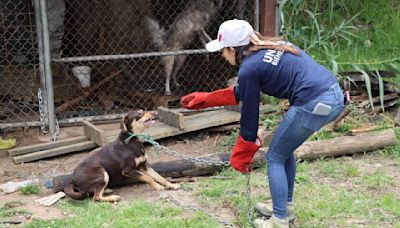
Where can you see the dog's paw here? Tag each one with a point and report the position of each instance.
(115, 198)
(174, 186)
(158, 188)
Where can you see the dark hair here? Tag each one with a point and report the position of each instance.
(240, 53)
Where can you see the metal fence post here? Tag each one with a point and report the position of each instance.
(36, 4)
(257, 15)
(47, 67)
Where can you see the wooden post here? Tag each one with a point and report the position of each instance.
(171, 117)
(94, 133)
(268, 17)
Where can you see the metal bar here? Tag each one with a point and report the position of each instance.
(47, 67)
(257, 15)
(64, 121)
(129, 56)
(41, 53)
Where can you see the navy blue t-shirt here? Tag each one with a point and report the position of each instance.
(280, 74)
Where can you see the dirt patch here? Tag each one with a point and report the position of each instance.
(37, 212)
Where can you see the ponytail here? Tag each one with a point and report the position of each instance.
(259, 42)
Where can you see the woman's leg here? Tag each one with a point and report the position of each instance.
(290, 168)
(281, 161)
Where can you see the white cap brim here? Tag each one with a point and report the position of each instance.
(214, 46)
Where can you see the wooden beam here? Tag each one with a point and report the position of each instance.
(94, 133)
(45, 146)
(171, 117)
(54, 152)
(268, 17)
(192, 123)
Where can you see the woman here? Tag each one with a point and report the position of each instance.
(280, 69)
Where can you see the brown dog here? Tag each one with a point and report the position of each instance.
(116, 162)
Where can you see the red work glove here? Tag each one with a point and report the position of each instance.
(199, 100)
(243, 153)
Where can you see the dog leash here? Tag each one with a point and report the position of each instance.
(149, 139)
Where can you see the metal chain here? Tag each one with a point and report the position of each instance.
(57, 131)
(42, 117)
(147, 138)
(193, 159)
(197, 209)
(248, 199)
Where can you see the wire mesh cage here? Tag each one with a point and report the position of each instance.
(19, 73)
(108, 57)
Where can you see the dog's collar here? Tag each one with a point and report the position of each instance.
(141, 138)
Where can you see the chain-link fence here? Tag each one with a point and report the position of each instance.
(19, 69)
(108, 57)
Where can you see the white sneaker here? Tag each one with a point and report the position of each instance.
(273, 222)
(266, 209)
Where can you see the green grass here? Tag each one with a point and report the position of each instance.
(31, 189)
(377, 180)
(321, 135)
(9, 210)
(135, 214)
(351, 171)
(231, 190)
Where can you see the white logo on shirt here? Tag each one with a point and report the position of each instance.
(272, 56)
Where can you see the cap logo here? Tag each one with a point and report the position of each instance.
(219, 36)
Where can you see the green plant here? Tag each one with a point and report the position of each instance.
(31, 189)
(348, 36)
(321, 135)
(351, 171)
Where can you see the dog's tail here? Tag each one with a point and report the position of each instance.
(70, 191)
(157, 33)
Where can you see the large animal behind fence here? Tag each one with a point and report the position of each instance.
(188, 24)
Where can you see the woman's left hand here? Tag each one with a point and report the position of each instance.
(243, 153)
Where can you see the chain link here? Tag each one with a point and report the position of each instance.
(42, 117)
(57, 131)
(248, 199)
(198, 209)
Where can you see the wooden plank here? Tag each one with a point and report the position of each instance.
(46, 146)
(94, 133)
(386, 97)
(192, 123)
(171, 117)
(54, 152)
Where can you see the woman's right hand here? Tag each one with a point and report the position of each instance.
(199, 100)
(194, 100)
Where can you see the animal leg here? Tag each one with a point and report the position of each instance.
(168, 67)
(179, 61)
(144, 178)
(99, 190)
(161, 179)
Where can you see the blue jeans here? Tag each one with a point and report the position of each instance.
(298, 124)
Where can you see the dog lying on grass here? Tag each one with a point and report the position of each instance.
(121, 159)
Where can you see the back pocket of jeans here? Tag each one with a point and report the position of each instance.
(312, 121)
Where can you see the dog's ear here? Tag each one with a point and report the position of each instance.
(123, 124)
